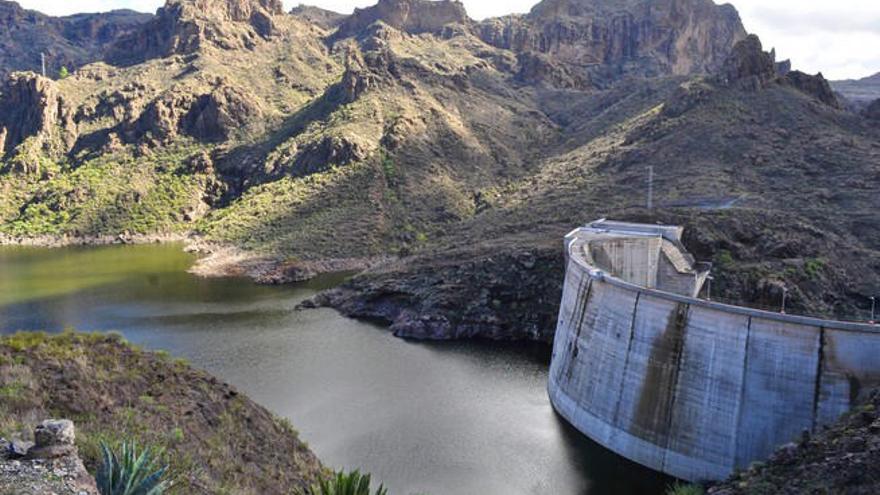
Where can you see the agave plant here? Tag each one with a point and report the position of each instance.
(130, 473)
(353, 483)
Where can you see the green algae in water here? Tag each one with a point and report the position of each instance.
(29, 274)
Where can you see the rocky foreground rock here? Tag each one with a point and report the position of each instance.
(49, 465)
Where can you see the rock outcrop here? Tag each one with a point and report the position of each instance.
(214, 117)
(750, 67)
(411, 16)
(50, 465)
(210, 117)
(67, 41)
(31, 106)
(186, 26)
(816, 86)
(540, 69)
(610, 38)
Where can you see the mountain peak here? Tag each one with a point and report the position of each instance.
(316, 15)
(412, 16)
(185, 26)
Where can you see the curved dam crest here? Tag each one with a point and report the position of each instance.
(689, 387)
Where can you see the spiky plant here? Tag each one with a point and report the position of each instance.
(353, 483)
(130, 473)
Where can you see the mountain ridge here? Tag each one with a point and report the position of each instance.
(298, 144)
(71, 41)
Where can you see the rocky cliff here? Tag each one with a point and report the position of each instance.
(35, 120)
(610, 38)
(67, 41)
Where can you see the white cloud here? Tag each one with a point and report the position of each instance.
(839, 38)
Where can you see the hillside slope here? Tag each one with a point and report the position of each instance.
(774, 186)
(215, 439)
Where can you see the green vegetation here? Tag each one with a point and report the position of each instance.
(353, 483)
(132, 472)
(114, 193)
(63, 73)
(813, 267)
(724, 258)
(685, 489)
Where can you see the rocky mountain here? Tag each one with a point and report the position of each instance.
(327, 19)
(71, 41)
(184, 26)
(461, 151)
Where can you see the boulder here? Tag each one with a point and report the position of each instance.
(53, 438)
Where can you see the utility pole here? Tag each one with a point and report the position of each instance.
(784, 297)
(873, 310)
(43, 60)
(650, 187)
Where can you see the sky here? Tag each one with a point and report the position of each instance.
(841, 38)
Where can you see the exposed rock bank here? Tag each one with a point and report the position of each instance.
(844, 460)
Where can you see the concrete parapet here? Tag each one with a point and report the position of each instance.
(689, 387)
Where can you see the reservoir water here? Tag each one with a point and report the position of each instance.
(461, 418)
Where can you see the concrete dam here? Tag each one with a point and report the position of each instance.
(689, 387)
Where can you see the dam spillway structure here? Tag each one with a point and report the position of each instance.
(689, 387)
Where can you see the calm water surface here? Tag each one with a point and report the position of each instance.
(438, 418)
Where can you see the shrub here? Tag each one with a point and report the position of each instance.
(63, 73)
(353, 483)
(130, 473)
(683, 489)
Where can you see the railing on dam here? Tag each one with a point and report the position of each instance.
(694, 388)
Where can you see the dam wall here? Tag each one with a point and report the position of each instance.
(689, 387)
